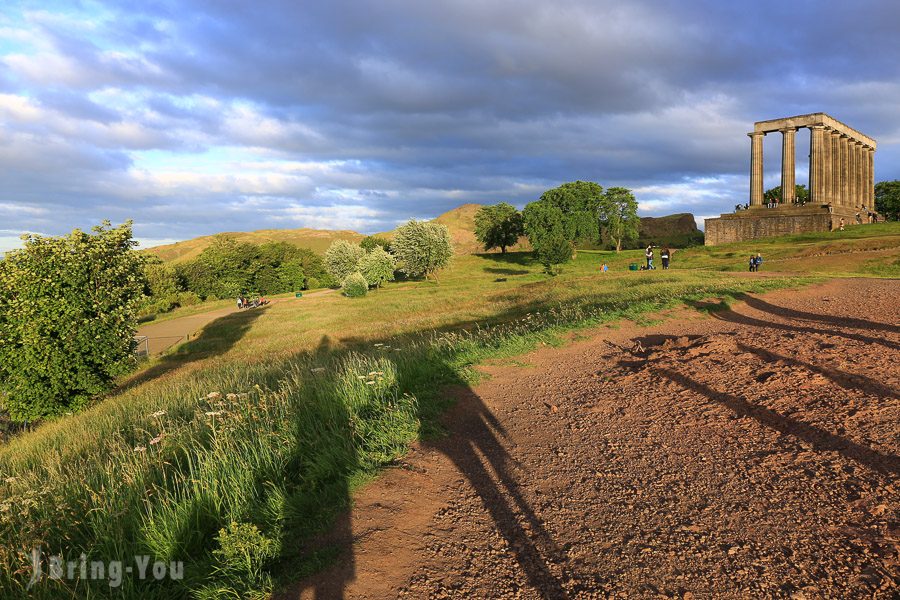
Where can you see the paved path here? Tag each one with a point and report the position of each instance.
(164, 335)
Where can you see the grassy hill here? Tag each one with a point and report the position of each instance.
(316, 240)
(272, 417)
(676, 230)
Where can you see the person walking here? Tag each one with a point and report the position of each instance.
(240, 303)
(649, 255)
(752, 263)
(758, 261)
(664, 255)
(841, 224)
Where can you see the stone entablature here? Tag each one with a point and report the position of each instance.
(799, 121)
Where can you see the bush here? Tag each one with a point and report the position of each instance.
(68, 310)
(422, 248)
(370, 242)
(377, 267)
(342, 258)
(188, 299)
(355, 285)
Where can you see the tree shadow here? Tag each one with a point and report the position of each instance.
(788, 313)
(216, 338)
(502, 271)
(724, 313)
(524, 259)
(846, 380)
(818, 438)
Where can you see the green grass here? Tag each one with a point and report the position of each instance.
(325, 391)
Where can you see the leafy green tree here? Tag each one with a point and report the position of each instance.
(342, 258)
(370, 242)
(498, 226)
(618, 215)
(774, 194)
(422, 248)
(579, 204)
(291, 275)
(887, 199)
(377, 266)
(68, 309)
(546, 230)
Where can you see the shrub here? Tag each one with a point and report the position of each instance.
(422, 248)
(355, 285)
(342, 258)
(188, 299)
(68, 309)
(370, 242)
(377, 267)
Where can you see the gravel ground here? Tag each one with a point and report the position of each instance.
(747, 453)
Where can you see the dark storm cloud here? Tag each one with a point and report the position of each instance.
(214, 115)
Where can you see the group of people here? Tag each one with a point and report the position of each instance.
(665, 255)
(755, 261)
(243, 302)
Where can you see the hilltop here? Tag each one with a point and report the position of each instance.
(679, 230)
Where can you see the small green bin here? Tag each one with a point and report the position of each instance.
(633, 267)
(298, 295)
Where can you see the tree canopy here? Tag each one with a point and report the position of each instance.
(578, 203)
(618, 216)
(422, 248)
(887, 199)
(498, 226)
(774, 194)
(68, 310)
(546, 231)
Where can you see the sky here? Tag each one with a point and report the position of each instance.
(194, 117)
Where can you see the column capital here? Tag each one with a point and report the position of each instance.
(753, 134)
(817, 127)
(788, 129)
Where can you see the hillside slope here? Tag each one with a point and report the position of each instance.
(317, 240)
(678, 230)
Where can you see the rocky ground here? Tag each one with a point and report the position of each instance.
(745, 453)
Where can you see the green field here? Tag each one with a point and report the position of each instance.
(271, 418)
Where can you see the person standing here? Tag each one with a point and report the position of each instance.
(664, 255)
(649, 255)
(240, 303)
(758, 261)
(841, 224)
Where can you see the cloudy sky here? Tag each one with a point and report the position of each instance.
(199, 116)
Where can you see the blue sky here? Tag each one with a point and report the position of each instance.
(195, 117)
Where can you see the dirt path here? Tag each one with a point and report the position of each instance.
(162, 336)
(752, 453)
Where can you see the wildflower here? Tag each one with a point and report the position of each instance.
(231, 396)
(158, 414)
(318, 369)
(214, 413)
(156, 440)
(370, 383)
(360, 376)
(371, 373)
(10, 480)
(214, 395)
(140, 449)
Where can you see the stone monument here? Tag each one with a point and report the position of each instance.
(841, 182)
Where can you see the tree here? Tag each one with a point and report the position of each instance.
(68, 310)
(377, 267)
(342, 258)
(774, 194)
(618, 215)
(546, 231)
(422, 248)
(887, 199)
(498, 226)
(579, 203)
(370, 242)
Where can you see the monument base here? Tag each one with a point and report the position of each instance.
(761, 222)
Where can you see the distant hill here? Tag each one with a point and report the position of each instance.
(316, 240)
(678, 231)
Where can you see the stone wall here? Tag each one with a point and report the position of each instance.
(760, 223)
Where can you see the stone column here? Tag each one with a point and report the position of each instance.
(816, 164)
(845, 170)
(870, 178)
(788, 165)
(861, 176)
(855, 196)
(826, 165)
(756, 168)
(835, 167)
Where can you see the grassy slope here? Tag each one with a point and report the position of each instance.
(287, 454)
(316, 240)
